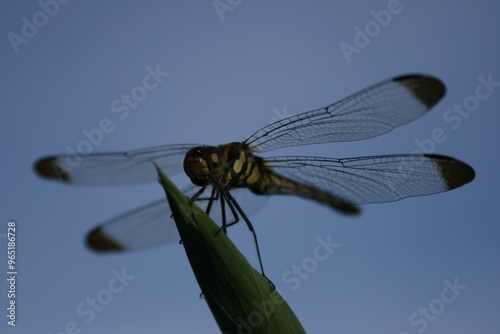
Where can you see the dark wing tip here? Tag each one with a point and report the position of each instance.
(455, 173)
(49, 168)
(99, 241)
(426, 89)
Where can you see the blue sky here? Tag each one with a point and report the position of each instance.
(422, 265)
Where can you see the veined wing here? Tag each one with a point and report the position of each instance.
(144, 227)
(151, 225)
(114, 168)
(371, 112)
(376, 179)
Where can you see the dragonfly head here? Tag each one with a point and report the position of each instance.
(204, 164)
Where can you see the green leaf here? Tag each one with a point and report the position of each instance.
(239, 297)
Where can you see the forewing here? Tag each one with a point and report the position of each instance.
(376, 179)
(114, 168)
(371, 112)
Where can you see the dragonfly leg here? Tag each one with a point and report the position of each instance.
(196, 198)
(235, 209)
(213, 197)
(223, 212)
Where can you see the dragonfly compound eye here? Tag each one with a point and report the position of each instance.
(215, 160)
(204, 163)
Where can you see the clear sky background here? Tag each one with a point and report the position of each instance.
(231, 73)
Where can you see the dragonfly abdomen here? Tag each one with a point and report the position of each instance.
(271, 183)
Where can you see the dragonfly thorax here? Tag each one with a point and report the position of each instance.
(204, 165)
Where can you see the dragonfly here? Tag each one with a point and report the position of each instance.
(342, 184)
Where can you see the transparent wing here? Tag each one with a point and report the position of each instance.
(365, 114)
(144, 227)
(376, 179)
(114, 168)
(152, 225)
